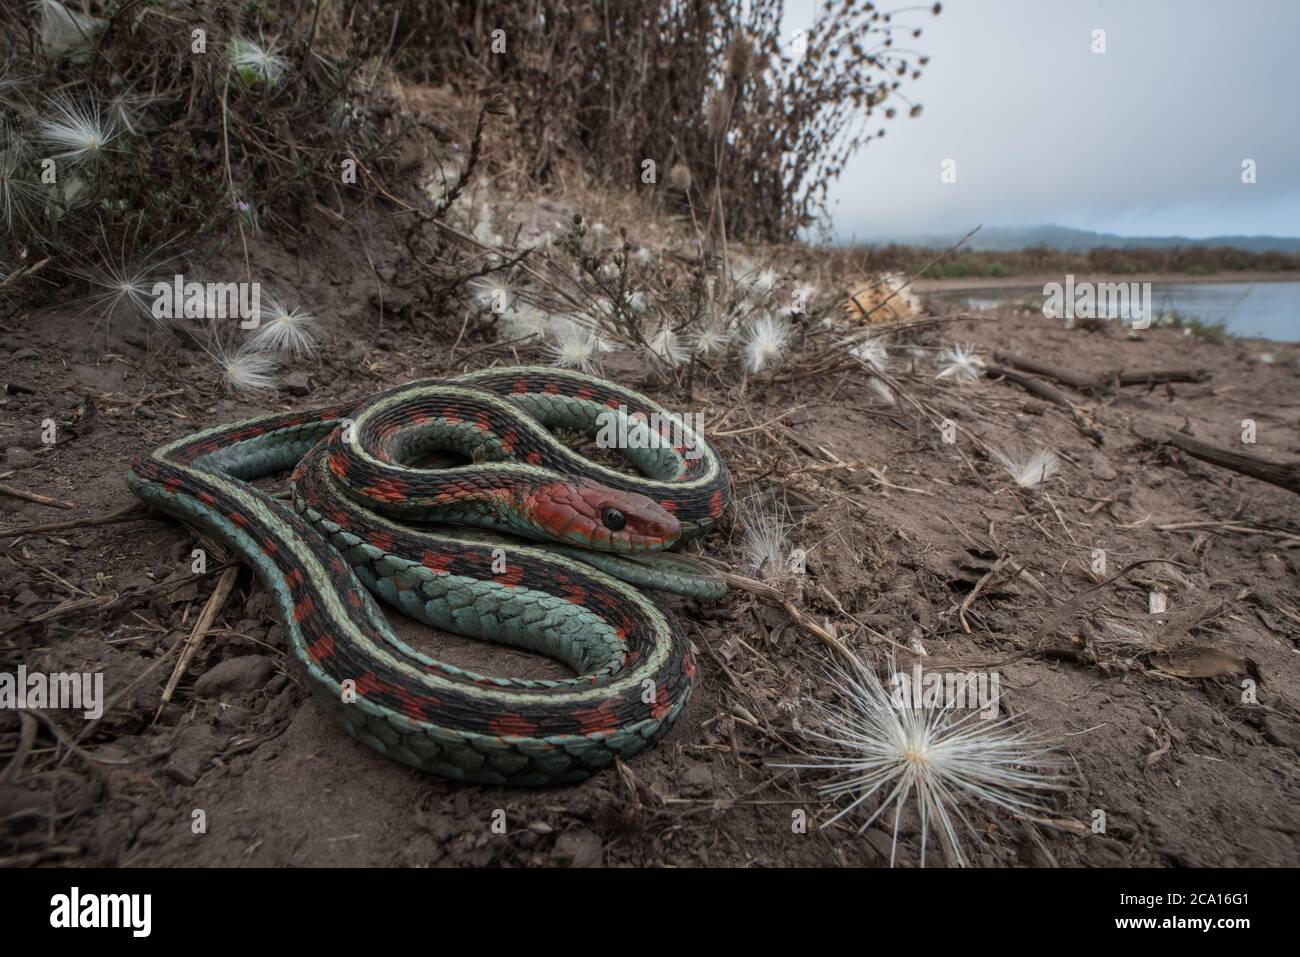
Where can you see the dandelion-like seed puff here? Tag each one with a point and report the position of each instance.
(763, 544)
(243, 370)
(281, 329)
(526, 321)
(255, 64)
(1032, 472)
(963, 365)
(712, 340)
(77, 129)
(492, 293)
(872, 354)
(667, 345)
(767, 339)
(573, 346)
(878, 745)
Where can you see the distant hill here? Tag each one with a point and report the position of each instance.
(1082, 240)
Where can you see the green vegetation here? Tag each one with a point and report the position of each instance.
(1042, 261)
(1215, 331)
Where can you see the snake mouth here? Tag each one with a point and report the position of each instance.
(590, 515)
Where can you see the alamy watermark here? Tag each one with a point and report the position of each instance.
(179, 299)
(1129, 301)
(619, 430)
(78, 691)
(938, 690)
(75, 909)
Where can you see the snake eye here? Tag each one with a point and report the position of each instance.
(613, 519)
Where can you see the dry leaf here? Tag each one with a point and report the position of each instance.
(1203, 661)
(1163, 745)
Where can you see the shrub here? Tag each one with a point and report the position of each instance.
(754, 124)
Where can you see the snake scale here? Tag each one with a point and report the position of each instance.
(445, 546)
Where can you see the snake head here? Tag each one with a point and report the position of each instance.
(595, 516)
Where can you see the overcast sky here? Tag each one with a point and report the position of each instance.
(1145, 139)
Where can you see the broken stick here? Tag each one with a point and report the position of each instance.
(206, 618)
(1054, 395)
(1117, 377)
(6, 489)
(1282, 474)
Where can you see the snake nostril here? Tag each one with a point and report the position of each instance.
(613, 519)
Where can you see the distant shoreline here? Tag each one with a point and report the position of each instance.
(1037, 282)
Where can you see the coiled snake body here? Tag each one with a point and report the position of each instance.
(355, 495)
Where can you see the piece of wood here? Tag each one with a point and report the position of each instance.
(1034, 367)
(1038, 387)
(1161, 376)
(1115, 378)
(1082, 421)
(1282, 474)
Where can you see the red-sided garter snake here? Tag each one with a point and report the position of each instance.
(356, 496)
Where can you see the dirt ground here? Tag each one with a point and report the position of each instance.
(901, 530)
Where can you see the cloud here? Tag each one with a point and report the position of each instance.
(1147, 138)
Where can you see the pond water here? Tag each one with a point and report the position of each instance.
(1267, 310)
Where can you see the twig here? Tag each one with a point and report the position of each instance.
(99, 603)
(765, 425)
(132, 513)
(1290, 538)
(1061, 612)
(311, 39)
(979, 586)
(33, 497)
(803, 621)
(27, 735)
(496, 105)
(210, 612)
